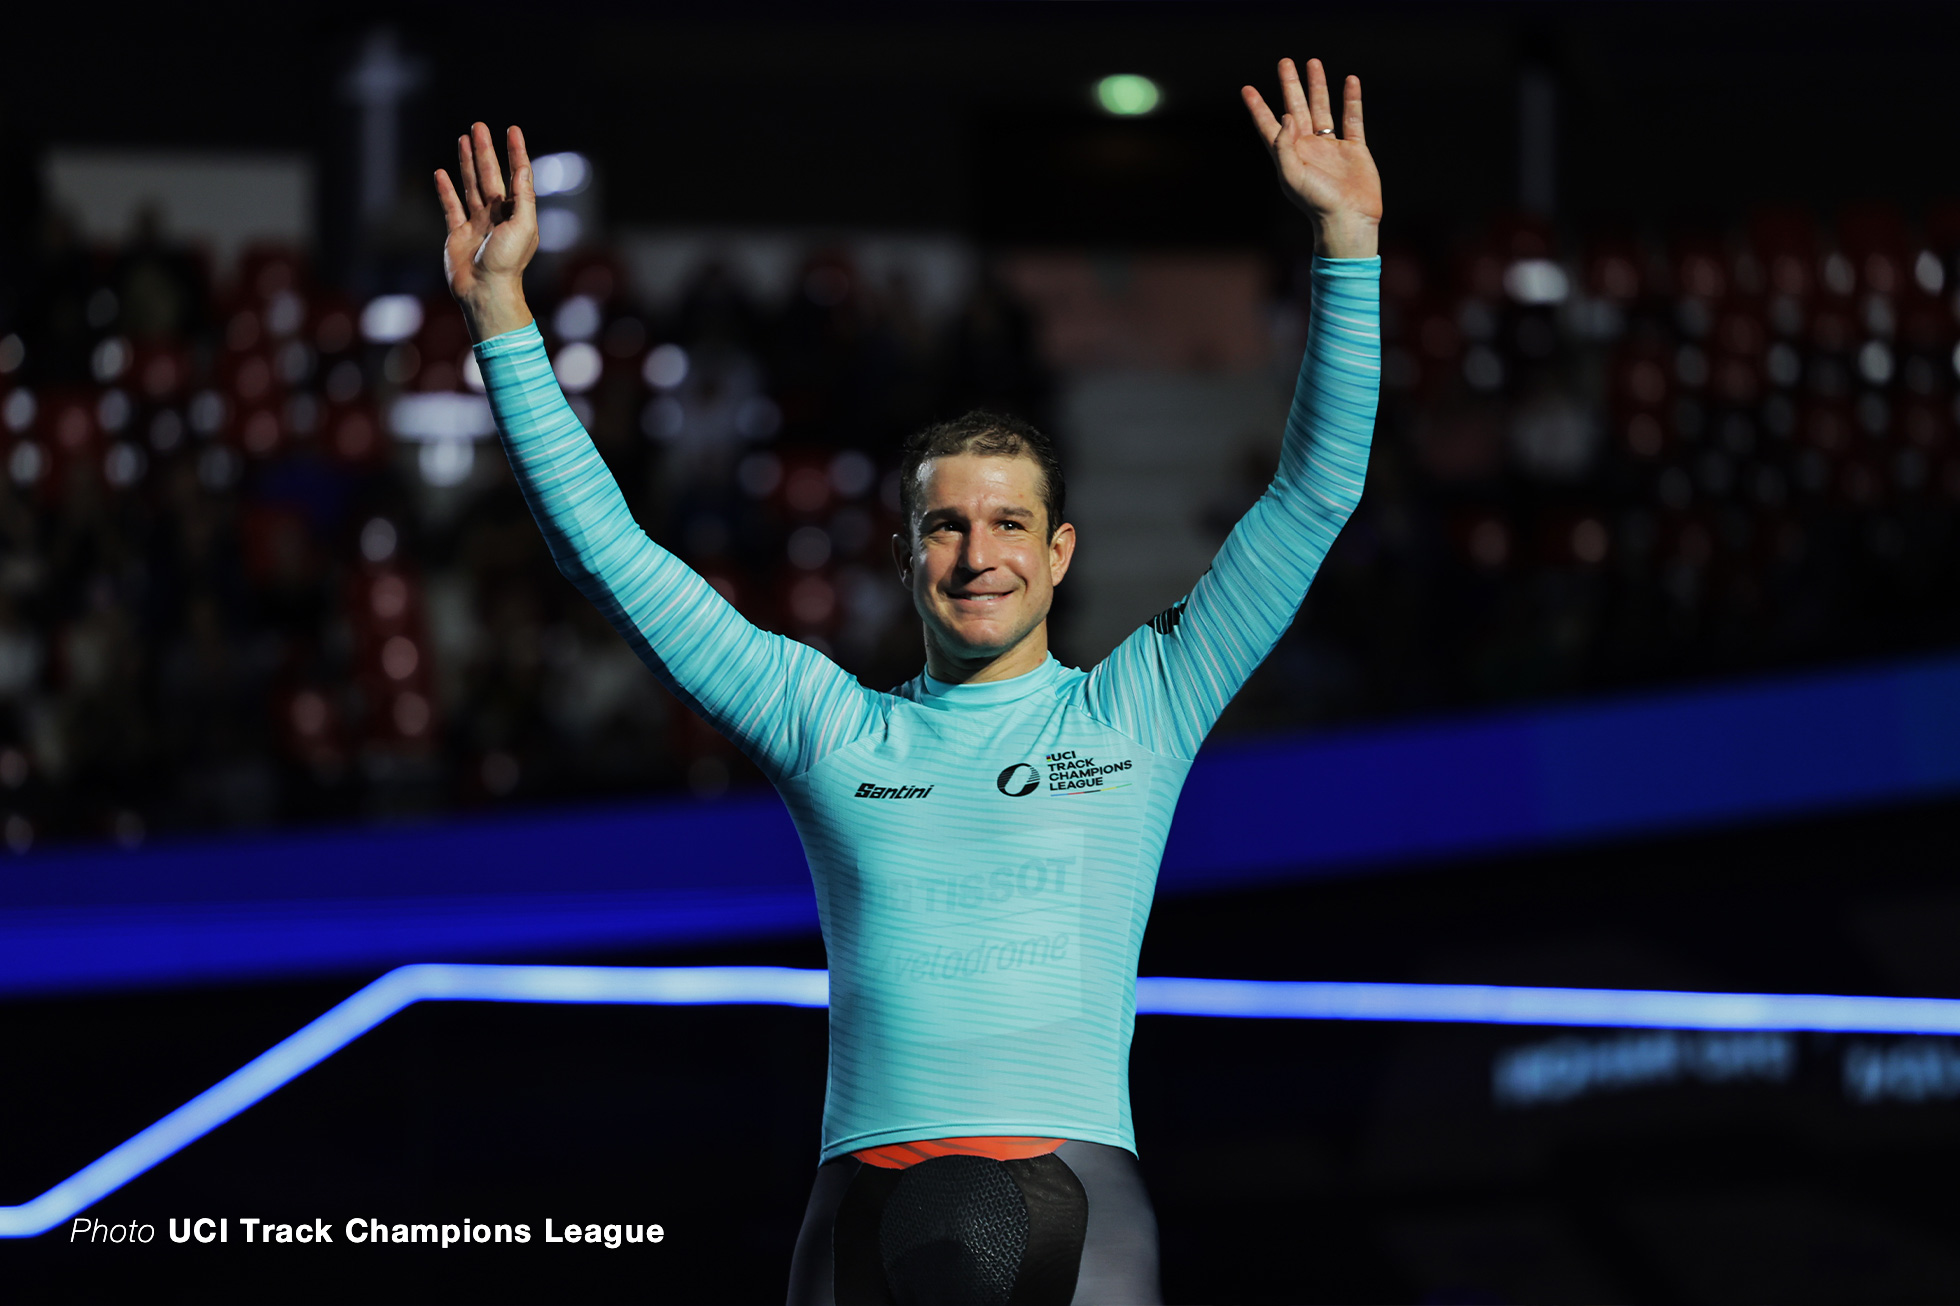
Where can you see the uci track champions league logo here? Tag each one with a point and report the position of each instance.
(1067, 772)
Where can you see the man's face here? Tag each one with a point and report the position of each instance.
(981, 565)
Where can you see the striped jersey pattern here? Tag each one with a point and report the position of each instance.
(984, 855)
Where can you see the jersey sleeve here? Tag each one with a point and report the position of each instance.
(783, 703)
(1166, 685)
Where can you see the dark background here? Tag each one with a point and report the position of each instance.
(1288, 1161)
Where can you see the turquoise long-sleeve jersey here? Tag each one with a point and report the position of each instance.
(984, 855)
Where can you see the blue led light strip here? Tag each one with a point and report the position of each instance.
(780, 986)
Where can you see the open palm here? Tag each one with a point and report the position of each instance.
(492, 234)
(1330, 177)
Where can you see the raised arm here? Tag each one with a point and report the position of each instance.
(781, 702)
(1166, 684)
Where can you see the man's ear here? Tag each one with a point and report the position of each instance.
(1061, 552)
(902, 556)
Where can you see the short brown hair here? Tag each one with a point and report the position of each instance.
(982, 432)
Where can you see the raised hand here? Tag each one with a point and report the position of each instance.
(1331, 177)
(492, 235)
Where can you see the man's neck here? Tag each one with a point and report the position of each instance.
(1026, 656)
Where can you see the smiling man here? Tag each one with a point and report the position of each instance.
(984, 839)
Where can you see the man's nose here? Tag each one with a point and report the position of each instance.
(977, 551)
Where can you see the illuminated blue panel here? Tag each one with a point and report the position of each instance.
(700, 985)
(576, 880)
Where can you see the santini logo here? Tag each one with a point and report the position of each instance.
(868, 790)
(1019, 780)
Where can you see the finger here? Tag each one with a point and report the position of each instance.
(466, 169)
(489, 176)
(1290, 92)
(1351, 129)
(521, 189)
(1323, 109)
(1263, 121)
(452, 207)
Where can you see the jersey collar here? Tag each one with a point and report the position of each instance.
(992, 693)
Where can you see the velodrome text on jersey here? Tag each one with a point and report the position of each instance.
(991, 938)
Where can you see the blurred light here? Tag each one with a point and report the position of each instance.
(1875, 362)
(1839, 277)
(851, 473)
(1919, 1071)
(1537, 281)
(445, 463)
(1785, 367)
(110, 359)
(20, 837)
(578, 318)
(809, 547)
(285, 314)
(812, 600)
(560, 174)
(389, 598)
(161, 375)
(260, 432)
(1567, 1068)
(401, 363)
(1691, 367)
(309, 713)
(389, 318)
(26, 463)
(578, 367)
(13, 768)
(303, 414)
(113, 410)
(471, 373)
(344, 381)
(441, 416)
(123, 465)
(102, 308)
(808, 489)
(72, 426)
(411, 713)
(12, 354)
(295, 362)
(1928, 271)
(558, 230)
(666, 367)
(1127, 95)
(19, 409)
(378, 539)
(1483, 369)
(758, 418)
(400, 657)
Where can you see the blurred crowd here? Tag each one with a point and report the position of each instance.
(1624, 458)
(259, 565)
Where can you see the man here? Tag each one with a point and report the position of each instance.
(984, 839)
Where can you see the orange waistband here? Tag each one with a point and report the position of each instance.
(897, 1156)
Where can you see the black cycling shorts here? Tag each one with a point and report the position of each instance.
(1074, 1226)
